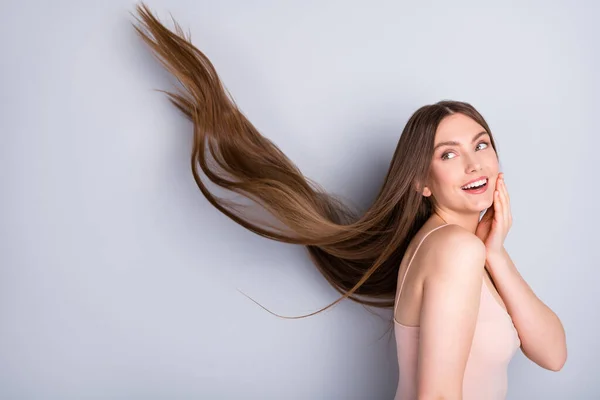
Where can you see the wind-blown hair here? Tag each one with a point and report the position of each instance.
(359, 255)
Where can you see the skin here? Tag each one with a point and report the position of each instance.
(443, 287)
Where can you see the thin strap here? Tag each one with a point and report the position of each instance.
(410, 262)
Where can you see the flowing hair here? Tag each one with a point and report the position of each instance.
(359, 255)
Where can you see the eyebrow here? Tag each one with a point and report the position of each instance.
(453, 143)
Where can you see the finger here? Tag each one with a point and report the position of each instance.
(497, 205)
(505, 209)
(507, 203)
(505, 190)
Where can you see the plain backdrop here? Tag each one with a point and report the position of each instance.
(118, 280)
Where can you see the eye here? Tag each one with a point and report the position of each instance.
(450, 154)
(446, 156)
(485, 144)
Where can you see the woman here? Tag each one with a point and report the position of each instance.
(461, 309)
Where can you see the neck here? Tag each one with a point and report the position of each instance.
(467, 221)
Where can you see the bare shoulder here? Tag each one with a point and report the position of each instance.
(454, 248)
(455, 261)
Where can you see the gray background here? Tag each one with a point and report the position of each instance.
(119, 281)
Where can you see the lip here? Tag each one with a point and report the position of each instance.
(475, 180)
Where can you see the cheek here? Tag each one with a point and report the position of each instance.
(491, 162)
(446, 177)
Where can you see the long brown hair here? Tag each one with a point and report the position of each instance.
(359, 255)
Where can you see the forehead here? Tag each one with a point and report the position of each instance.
(457, 127)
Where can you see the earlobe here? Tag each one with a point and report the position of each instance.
(425, 192)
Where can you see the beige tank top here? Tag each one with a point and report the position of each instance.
(495, 342)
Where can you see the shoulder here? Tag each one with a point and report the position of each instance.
(454, 248)
(455, 238)
(449, 309)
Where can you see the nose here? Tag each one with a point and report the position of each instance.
(472, 165)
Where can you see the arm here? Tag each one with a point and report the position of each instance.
(541, 332)
(542, 335)
(451, 295)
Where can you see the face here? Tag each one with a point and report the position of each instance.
(463, 158)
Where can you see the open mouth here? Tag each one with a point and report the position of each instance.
(476, 186)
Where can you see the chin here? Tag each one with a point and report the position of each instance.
(488, 204)
(481, 206)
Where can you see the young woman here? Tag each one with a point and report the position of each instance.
(461, 309)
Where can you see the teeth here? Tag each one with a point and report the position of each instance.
(475, 184)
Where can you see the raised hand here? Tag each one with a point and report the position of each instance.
(497, 220)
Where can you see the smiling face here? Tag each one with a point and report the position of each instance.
(463, 158)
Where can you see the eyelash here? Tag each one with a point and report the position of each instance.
(444, 156)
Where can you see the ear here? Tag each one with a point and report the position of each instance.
(425, 191)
